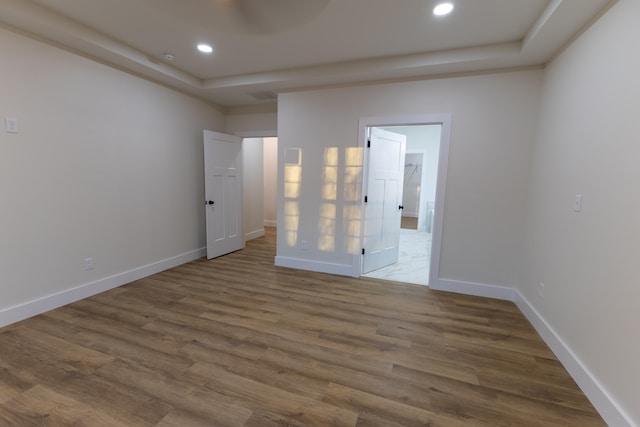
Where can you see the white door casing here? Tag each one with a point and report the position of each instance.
(383, 207)
(223, 193)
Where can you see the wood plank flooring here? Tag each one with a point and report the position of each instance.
(409, 223)
(237, 341)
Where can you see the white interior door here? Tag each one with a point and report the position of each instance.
(383, 206)
(223, 193)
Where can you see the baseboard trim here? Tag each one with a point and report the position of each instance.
(601, 399)
(32, 308)
(254, 234)
(475, 289)
(270, 223)
(321, 267)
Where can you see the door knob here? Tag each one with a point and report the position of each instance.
(210, 202)
(400, 207)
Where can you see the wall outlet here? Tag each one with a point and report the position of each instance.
(541, 291)
(88, 263)
(11, 124)
(303, 245)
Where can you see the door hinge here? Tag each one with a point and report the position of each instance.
(368, 143)
(362, 251)
(366, 199)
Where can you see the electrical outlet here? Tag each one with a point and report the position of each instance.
(11, 124)
(303, 245)
(541, 291)
(88, 263)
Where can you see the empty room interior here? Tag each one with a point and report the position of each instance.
(204, 206)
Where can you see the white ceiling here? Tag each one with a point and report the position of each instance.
(348, 41)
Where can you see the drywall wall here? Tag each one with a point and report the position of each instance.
(412, 184)
(249, 123)
(493, 119)
(270, 195)
(587, 144)
(252, 187)
(106, 166)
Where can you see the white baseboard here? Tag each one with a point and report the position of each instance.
(475, 289)
(270, 223)
(321, 267)
(595, 392)
(254, 234)
(32, 308)
(601, 399)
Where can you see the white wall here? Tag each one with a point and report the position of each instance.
(106, 165)
(587, 144)
(412, 184)
(260, 123)
(270, 152)
(252, 189)
(493, 120)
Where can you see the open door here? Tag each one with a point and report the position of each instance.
(223, 193)
(383, 200)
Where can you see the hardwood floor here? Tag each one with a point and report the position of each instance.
(237, 341)
(409, 222)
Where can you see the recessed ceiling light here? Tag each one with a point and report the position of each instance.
(443, 9)
(205, 48)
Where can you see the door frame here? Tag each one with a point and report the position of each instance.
(444, 120)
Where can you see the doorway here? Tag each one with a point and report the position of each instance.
(423, 196)
(260, 189)
(240, 189)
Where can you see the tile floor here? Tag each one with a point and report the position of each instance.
(413, 262)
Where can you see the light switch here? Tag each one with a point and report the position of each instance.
(11, 124)
(577, 203)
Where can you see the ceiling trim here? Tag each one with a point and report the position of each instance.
(547, 13)
(423, 77)
(361, 68)
(532, 50)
